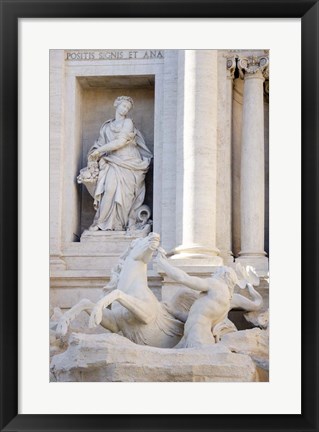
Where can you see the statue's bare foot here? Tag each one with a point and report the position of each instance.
(93, 228)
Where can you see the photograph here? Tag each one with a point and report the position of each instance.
(159, 215)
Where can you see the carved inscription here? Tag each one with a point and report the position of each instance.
(114, 55)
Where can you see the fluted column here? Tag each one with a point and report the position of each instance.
(252, 164)
(196, 155)
(226, 70)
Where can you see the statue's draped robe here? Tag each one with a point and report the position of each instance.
(120, 188)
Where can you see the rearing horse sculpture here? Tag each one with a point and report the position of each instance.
(134, 309)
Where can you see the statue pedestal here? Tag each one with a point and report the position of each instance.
(109, 236)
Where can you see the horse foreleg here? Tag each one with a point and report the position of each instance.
(108, 320)
(71, 314)
(142, 310)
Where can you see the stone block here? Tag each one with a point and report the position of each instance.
(110, 357)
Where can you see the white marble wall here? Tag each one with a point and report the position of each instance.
(57, 94)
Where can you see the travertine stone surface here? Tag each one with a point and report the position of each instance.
(113, 236)
(57, 102)
(258, 318)
(111, 357)
(253, 342)
(165, 173)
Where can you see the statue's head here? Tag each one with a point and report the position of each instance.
(124, 102)
(228, 275)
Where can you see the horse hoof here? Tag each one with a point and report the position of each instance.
(61, 329)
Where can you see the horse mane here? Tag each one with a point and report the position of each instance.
(116, 271)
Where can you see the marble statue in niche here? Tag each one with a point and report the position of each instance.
(115, 174)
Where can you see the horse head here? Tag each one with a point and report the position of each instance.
(142, 249)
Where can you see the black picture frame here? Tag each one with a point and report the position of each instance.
(11, 11)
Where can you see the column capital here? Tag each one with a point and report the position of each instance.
(253, 67)
(231, 66)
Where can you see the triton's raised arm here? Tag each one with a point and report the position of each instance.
(180, 276)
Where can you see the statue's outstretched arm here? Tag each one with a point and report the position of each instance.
(180, 276)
